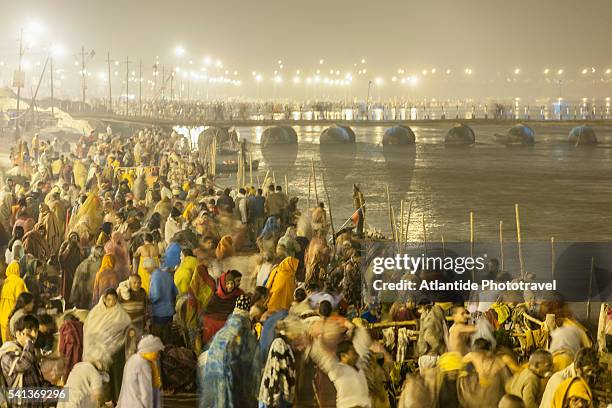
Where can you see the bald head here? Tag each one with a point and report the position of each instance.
(541, 362)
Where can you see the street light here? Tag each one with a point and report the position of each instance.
(179, 51)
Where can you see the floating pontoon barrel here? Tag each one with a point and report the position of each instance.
(520, 134)
(398, 135)
(337, 135)
(278, 135)
(460, 134)
(582, 136)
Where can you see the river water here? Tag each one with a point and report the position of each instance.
(562, 191)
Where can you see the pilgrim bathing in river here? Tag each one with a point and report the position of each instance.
(133, 275)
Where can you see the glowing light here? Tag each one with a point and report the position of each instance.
(296, 79)
(57, 50)
(218, 64)
(321, 62)
(280, 62)
(278, 79)
(584, 71)
(207, 60)
(309, 80)
(379, 81)
(258, 78)
(393, 79)
(179, 51)
(337, 72)
(546, 71)
(517, 71)
(468, 71)
(363, 61)
(424, 72)
(433, 70)
(297, 72)
(560, 72)
(448, 71)
(281, 67)
(235, 73)
(608, 71)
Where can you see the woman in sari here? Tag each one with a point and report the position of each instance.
(148, 250)
(221, 304)
(105, 233)
(281, 284)
(35, 243)
(185, 271)
(117, 247)
(104, 336)
(226, 378)
(201, 289)
(53, 229)
(12, 287)
(70, 256)
(225, 248)
(106, 278)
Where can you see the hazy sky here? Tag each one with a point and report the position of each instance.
(493, 36)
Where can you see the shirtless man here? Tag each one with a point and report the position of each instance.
(460, 332)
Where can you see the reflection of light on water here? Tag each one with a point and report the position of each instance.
(258, 132)
(377, 114)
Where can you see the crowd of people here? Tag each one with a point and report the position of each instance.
(130, 274)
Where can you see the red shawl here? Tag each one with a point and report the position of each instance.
(71, 343)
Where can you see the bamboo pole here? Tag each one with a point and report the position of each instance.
(331, 220)
(390, 213)
(363, 220)
(401, 231)
(518, 239)
(286, 186)
(408, 221)
(251, 168)
(472, 242)
(274, 178)
(443, 246)
(424, 233)
(552, 258)
(263, 184)
(588, 312)
(314, 178)
(501, 243)
(308, 199)
(395, 235)
(258, 182)
(239, 170)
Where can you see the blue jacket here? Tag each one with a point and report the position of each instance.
(162, 293)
